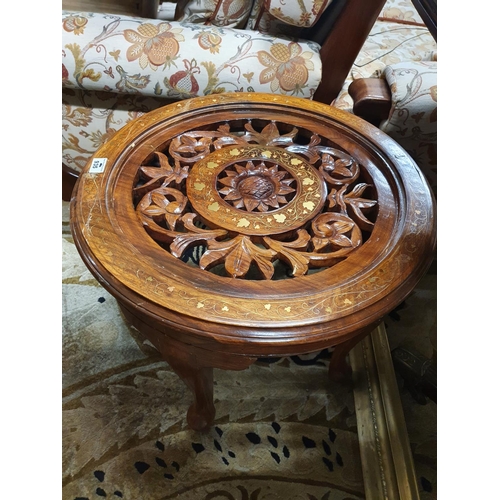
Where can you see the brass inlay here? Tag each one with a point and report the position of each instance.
(288, 216)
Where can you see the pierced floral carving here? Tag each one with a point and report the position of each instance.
(248, 200)
(256, 186)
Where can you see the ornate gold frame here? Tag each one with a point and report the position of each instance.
(386, 458)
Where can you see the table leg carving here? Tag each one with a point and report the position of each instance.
(194, 366)
(339, 368)
(199, 379)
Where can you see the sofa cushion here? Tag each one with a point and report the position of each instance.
(412, 120)
(181, 60)
(90, 119)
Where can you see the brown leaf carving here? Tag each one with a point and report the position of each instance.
(196, 234)
(288, 252)
(357, 204)
(339, 171)
(163, 203)
(270, 134)
(237, 255)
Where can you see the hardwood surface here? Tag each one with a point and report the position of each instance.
(238, 226)
(371, 99)
(342, 46)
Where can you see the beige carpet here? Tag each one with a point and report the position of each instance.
(282, 430)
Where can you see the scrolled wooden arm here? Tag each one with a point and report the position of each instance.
(372, 99)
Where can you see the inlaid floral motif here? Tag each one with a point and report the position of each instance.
(248, 198)
(256, 186)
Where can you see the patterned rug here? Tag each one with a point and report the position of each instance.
(282, 429)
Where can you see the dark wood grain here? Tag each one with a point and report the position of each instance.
(340, 49)
(230, 176)
(371, 99)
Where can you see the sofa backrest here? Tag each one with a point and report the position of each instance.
(182, 59)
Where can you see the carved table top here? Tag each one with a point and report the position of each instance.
(276, 220)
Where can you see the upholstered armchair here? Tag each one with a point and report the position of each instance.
(403, 104)
(116, 67)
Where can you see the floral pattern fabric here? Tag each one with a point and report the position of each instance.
(228, 13)
(303, 13)
(260, 19)
(400, 36)
(412, 121)
(115, 68)
(134, 72)
(90, 119)
(112, 53)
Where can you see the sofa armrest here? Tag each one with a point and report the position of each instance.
(371, 99)
(403, 104)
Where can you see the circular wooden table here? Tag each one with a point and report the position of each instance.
(240, 226)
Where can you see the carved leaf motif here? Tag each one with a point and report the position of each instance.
(237, 255)
(288, 251)
(353, 201)
(330, 229)
(338, 171)
(189, 148)
(270, 135)
(162, 175)
(157, 232)
(164, 203)
(254, 185)
(311, 151)
(357, 204)
(226, 138)
(184, 240)
(335, 199)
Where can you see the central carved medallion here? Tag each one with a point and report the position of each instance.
(243, 202)
(245, 189)
(256, 186)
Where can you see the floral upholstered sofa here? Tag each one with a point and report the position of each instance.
(117, 67)
(412, 119)
(401, 53)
